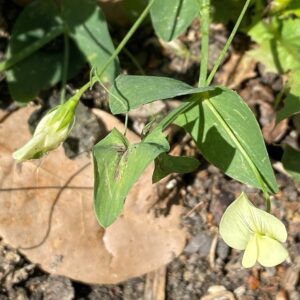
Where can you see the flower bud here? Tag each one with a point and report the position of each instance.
(51, 131)
(278, 5)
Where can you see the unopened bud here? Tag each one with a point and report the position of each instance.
(51, 131)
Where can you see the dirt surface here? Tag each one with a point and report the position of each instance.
(208, 268)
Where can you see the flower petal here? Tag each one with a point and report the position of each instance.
(267, 224)
(44, 122)
(270, 251)
(32, 149)
(251, 253)
(234, 227)
(241, 219)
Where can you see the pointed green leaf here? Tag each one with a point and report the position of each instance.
(292, 101)
(228, 135)
(171, 18)
(43, 68)
(117, 166)
(166, 164)
(88, 28)
(130, 91)
(291, 162)
(82, 20)
(290, 108)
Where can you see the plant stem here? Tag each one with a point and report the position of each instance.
(79, 93)
(228, 43)
(127, 37)
(11, 61)
(172, 115)
(205, 20)
(116, 52)
(65, 68)
(267, 202)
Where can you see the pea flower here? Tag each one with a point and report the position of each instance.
(260, 234)
(51, 131)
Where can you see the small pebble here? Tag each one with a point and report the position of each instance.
(216, 289)
(222, 249)
(199, 243)
(240, 291)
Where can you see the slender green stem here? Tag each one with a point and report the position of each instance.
(127, 37)
(65, 67)
(80, 92)
(171, 116)
(205, 20)
(228, 43)
(11, 61)
(279, 98)
(267, 201)
(96, 78)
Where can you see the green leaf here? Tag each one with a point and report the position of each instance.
(117, 166)
(291, 162)
(171, 18)
(130, 91)
(87, 26)
(166, 164)
(291, 107)
(42, 69)
(286, 7)
(228, 135)
(225, 11)
(82, 20)
(292, 101)
(133, 8)
(278, 44)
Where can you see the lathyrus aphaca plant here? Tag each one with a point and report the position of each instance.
(221, 124)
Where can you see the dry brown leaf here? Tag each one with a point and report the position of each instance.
(237, 69)
(46, 211)
(260, 98)
(273, 133)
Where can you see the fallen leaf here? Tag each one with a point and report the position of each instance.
(260, 98)
(236, 70)
(273, 133)
(47, 213)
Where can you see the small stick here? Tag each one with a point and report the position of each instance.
(156, 285)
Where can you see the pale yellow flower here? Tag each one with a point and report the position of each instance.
(260, 234)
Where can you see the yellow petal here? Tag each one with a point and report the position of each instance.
(242, 219)
(251, 253)
(270, 251)
(234, 226)
(267, 224)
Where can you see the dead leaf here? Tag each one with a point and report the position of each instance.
(237, 69)
(272, 132)
(260, 98)
(47, 212)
